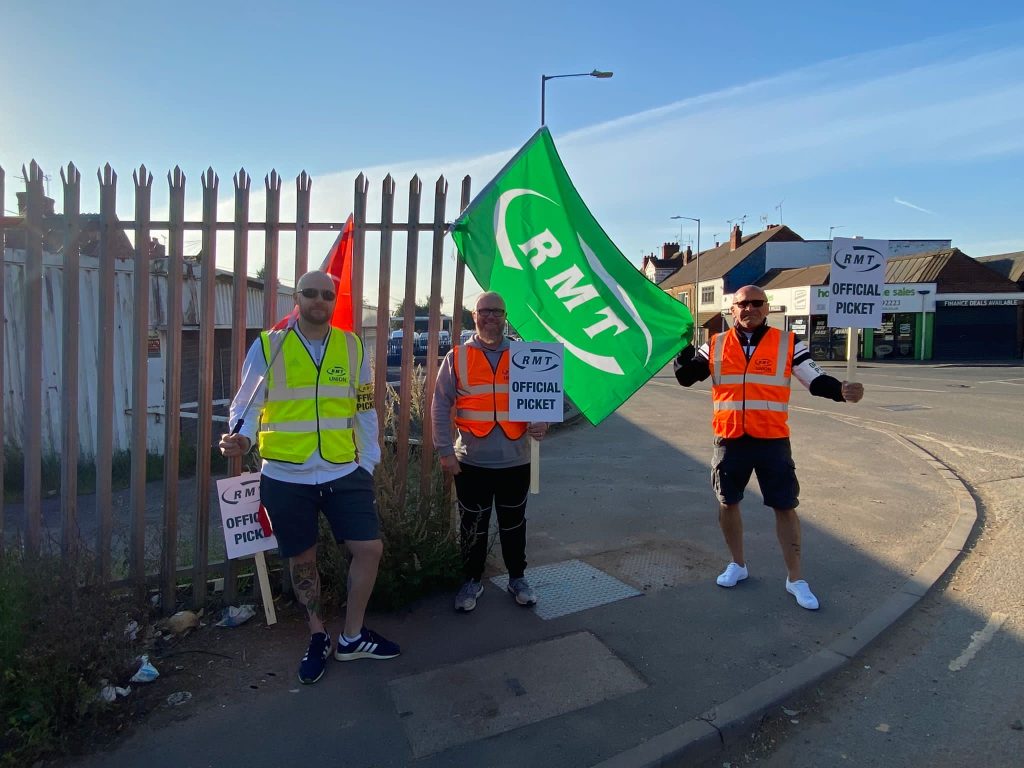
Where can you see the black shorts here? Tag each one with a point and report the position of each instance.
(772, 462)
(349, 504)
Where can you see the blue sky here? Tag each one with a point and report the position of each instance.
(889, 120)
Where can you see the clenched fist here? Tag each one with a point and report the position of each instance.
(234, 445)
(853, 391)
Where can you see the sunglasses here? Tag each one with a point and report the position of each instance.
(755, 303)
(312, 293)
(491, 312)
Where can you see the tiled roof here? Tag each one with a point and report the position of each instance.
(795, 277)
(950, 269)
(716, 262)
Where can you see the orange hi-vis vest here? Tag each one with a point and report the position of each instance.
(751, 397)
(481, 394)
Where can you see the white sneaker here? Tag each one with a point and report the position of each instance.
(733, 574)
(804, 597)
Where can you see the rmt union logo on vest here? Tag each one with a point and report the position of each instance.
(555, 258)
(336, 375)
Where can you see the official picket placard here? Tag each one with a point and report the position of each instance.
(856, 279)
(239, 514)
(536, 371)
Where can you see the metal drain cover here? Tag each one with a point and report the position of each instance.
(492, 694)
(569, 587)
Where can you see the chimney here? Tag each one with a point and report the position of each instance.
(48, 203)
(735, 237)
(688, 255)
(668, 250)
(156, 249)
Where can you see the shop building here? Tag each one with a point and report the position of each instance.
(939, 305)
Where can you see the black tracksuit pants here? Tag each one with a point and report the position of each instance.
(478, 489)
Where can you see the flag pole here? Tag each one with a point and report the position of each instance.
(534, 466)
(262, 574)
(851, 353)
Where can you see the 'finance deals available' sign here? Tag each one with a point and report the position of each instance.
(856, 277)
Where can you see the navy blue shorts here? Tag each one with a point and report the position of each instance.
(771, 460)
(349, 504)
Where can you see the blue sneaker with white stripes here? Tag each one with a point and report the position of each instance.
(369, 645)
(314, 663)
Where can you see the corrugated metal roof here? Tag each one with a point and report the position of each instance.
(918, 267)
(88, 342)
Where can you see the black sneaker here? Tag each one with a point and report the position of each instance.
(369, 645)
(314, 663)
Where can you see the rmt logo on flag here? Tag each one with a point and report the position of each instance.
(530, 237)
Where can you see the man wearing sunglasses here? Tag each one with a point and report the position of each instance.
(489, 457)
(750, 367)
(317, 434)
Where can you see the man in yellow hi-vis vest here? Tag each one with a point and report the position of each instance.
(318, 438)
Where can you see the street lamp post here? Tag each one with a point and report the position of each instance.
(544, 79)
(924, 320)
(696, 264)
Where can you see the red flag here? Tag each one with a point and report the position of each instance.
(337, 264)
(264, 518)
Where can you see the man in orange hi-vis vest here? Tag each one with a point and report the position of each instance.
(489, 457)
(750, 368)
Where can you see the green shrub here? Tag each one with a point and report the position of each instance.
(61, 634)
(421, 552)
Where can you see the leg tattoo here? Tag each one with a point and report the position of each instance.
(306, 581)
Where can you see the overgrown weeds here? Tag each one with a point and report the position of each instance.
(421, 552)
(62, 635)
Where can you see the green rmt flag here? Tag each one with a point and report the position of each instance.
(529, 236)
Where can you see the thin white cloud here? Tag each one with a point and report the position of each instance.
(915, 207)
(835, 128)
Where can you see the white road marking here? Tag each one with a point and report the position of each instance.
(958, 449)
(877, 387)
(1011, 382)
(978, 639)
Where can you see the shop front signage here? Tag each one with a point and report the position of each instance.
(896, 297)
(978, 302)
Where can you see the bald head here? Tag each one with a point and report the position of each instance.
(489, 317)
(749, 307)
(315, 296)
(316, 278)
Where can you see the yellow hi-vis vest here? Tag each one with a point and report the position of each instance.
(309, 407)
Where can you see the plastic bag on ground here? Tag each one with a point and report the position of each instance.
(147, 672)
(110, 692)
(235, 615)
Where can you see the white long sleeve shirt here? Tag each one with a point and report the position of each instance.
(315, 470)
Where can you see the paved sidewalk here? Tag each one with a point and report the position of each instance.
(634, 656)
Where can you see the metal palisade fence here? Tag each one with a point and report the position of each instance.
(105, 339)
